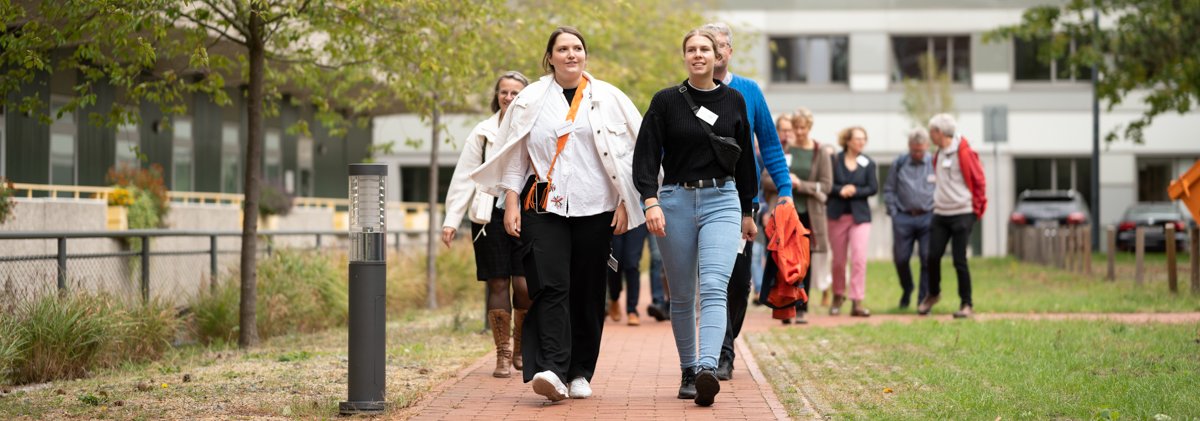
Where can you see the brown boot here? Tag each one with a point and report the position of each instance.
(857, 309)
(501, 321)
(518, 322)
(825, 298)
(836, 307)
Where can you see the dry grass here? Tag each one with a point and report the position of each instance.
(288, 377)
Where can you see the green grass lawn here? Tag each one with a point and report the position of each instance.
(1008, 370)
(1005, 285)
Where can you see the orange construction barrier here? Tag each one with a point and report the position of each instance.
(1187, 188)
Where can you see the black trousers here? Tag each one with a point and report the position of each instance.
(736, 300)
(566, 263)
(956, 230)
(802, 306)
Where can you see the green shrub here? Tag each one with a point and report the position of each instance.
(456, 282)
(143, 213)
(56, 337)
(297, 292)
(6, 202)
(273, 199)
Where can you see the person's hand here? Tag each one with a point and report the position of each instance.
(512, 215)
(749, 228)
(619, 220)
(820, 195)
(847, 191)
(448, 235)
(655, 222)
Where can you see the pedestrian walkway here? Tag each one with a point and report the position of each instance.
(637, 377)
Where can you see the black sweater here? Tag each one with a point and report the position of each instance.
(671, 136)
(865, 185)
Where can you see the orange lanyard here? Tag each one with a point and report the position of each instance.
(562, 143)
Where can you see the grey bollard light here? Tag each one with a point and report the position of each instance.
(368, 273)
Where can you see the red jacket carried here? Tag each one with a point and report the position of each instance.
(972, 172)
(788, 248)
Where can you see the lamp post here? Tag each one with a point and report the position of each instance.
(368, 282)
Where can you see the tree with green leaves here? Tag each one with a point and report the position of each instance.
(1149, 46)
(158, 50)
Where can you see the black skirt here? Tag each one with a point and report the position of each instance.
(495, 251)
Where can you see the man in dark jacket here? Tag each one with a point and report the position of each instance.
(908, 195)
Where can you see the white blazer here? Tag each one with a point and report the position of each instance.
(613, 116)
(463, 192)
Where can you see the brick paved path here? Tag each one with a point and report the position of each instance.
(637, 377)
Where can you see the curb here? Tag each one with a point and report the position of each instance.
(764, 386)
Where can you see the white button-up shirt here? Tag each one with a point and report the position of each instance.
(580, 186)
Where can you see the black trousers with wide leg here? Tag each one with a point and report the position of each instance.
(566, 265)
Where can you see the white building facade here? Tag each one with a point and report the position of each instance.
(846, 60)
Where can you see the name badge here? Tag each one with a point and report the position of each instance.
(948, 163)
(612, 263)
(564, 128)
(706, 115)
(931, 178)
(788, 158)
(862, 161)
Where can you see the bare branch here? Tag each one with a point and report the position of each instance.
(220, 10)
(221, 33)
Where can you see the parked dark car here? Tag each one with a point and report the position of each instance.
(1050, 208)
(1153, 216)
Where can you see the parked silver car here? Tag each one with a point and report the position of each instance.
(1153, 216)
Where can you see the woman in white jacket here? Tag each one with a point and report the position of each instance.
(565, 171)
(496, 260)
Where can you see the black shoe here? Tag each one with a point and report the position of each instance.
(707, 386)
(657, 313)
(687, 386)
(725, 368)
(905, 299)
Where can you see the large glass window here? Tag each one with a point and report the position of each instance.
(414, 183)
(1054, 174)
(127, 145)
(182, 153)
(304, 163)
(950, 53)
(1029, 67)
(230, 146)
(63, 132)
(814, 60)
(273, 155)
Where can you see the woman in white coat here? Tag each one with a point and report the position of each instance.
(496, 260)
(565, 172)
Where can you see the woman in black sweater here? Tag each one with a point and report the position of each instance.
(709, 206)
(849, 218)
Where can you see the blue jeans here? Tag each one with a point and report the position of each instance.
(703, 238)
(907, 229)
(627, 249)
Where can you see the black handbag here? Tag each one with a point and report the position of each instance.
(725, 148)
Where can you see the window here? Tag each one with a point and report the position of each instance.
(230, 146)
(814, 60)
(1054, 174)
(62, 145)
(273, 155)
(127, 145)
(1028, 67)
(304, 163)
(414, 183)
(181, 155)
(950, 53)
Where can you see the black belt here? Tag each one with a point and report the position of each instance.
(707, 182)
(916, 212)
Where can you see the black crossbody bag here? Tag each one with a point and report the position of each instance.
(725, 148)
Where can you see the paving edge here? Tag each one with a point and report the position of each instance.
(416, 408)
(764, 386)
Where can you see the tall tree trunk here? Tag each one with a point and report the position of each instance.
(248, 330)
(434, 231)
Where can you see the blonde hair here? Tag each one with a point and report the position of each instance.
(802, 117)
(847, 133)
(785, 117)
(702, 33)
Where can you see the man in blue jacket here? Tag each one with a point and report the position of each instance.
(763, 127)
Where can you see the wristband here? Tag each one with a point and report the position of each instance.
(650, 207)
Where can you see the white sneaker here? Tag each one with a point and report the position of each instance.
(547, 384)
(580, 389)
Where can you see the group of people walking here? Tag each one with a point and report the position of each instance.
(566, 180)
